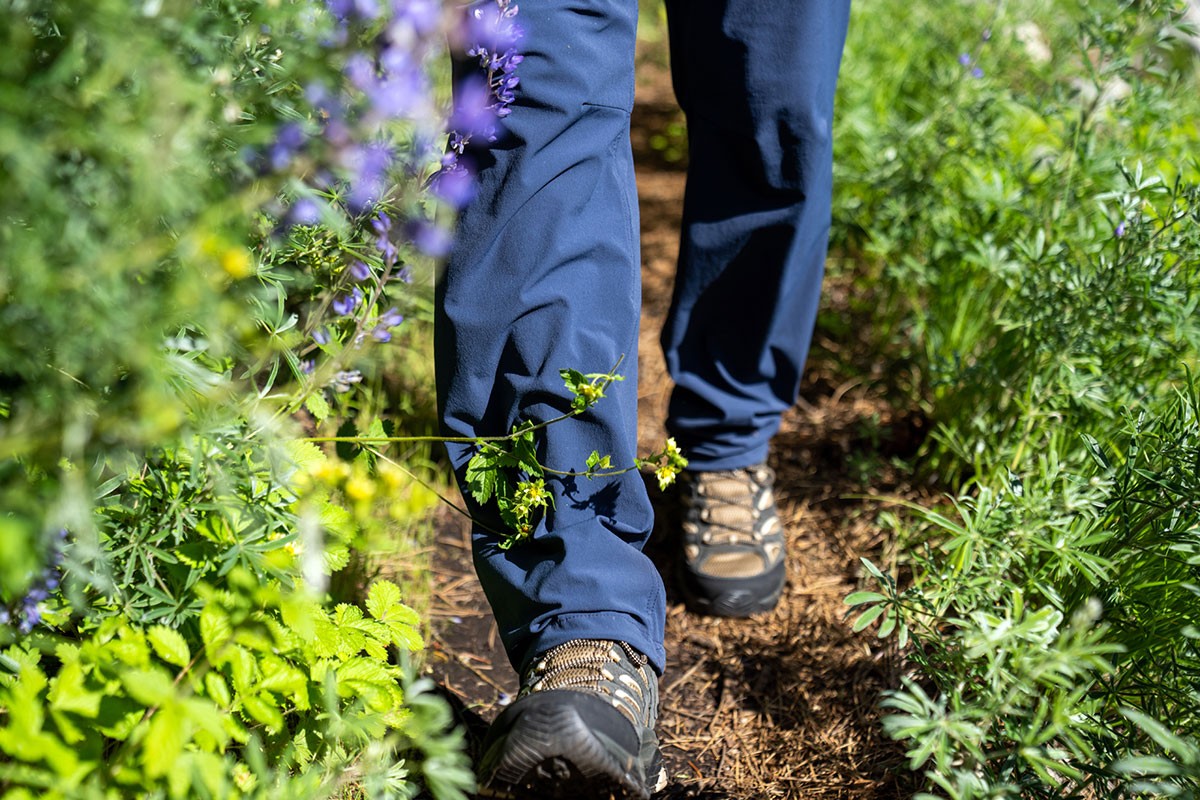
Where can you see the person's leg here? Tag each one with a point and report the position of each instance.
(756, 79)
(545, 275)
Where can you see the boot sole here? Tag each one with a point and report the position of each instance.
(548, 751)
(743, 600)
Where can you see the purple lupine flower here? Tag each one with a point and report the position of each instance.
(307, 366)
(343, 304)
(453, 184)
(304, 211)
(391, 318)
(347, 9)
(474, 114)
(369, 166)
(361, 72)
(360, 271)
(288, 142)
(964, 59)
(977, 72)
(1119, 231)
(423, 15)
(381, 334)
(432, 240)
(405, 274)
(321, 335)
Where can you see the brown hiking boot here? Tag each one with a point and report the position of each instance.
(582, 728)
(733, 541)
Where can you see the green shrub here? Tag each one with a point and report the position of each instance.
(181, 228)
(1021, 192)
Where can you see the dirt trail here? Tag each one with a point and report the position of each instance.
(779, 706)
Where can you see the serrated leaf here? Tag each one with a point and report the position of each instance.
(68, 693)
(169, 645)
(335, 557)
(262, 708)
(318, 406)
(572, 379)
(217, 689)
(858, 598)
(338, 521)
(304, 455)
(405, 637)
(374, 431)
(481, 475)
(381, 597)
(214, 627)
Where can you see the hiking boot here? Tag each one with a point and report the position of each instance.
(733, 541)
(582, 727)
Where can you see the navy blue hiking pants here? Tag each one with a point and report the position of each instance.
(545, 275)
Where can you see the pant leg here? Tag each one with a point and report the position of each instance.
(756, 79)
(545, 275)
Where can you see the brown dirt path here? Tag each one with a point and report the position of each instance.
(783, 706)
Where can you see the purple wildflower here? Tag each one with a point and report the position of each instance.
(343, 304)
(381, 334)
(1120, 229)
(288, 142)
(307, 366)
(423, 15)
(391, 318)
(347, 9)
(964, 59)
(432, 240)
(453, 184)
(360, 271)
(304, 211)
(321, 335)
(977, 72)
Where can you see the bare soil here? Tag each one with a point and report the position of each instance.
(780, 706)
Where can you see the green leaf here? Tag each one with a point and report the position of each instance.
(217, 689)
(867, 617)
(169, 645)
(405, 637)
(858, 598)
(150, 687)
(214, 627)
(593, 460)
(871, 568)
(304, 455)
(889, 624)
(318, 406)
(338, 521)
(381, 597)
(67, 692)
(481, 475)
(164, 741)
(262, 708)
(572, 379)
